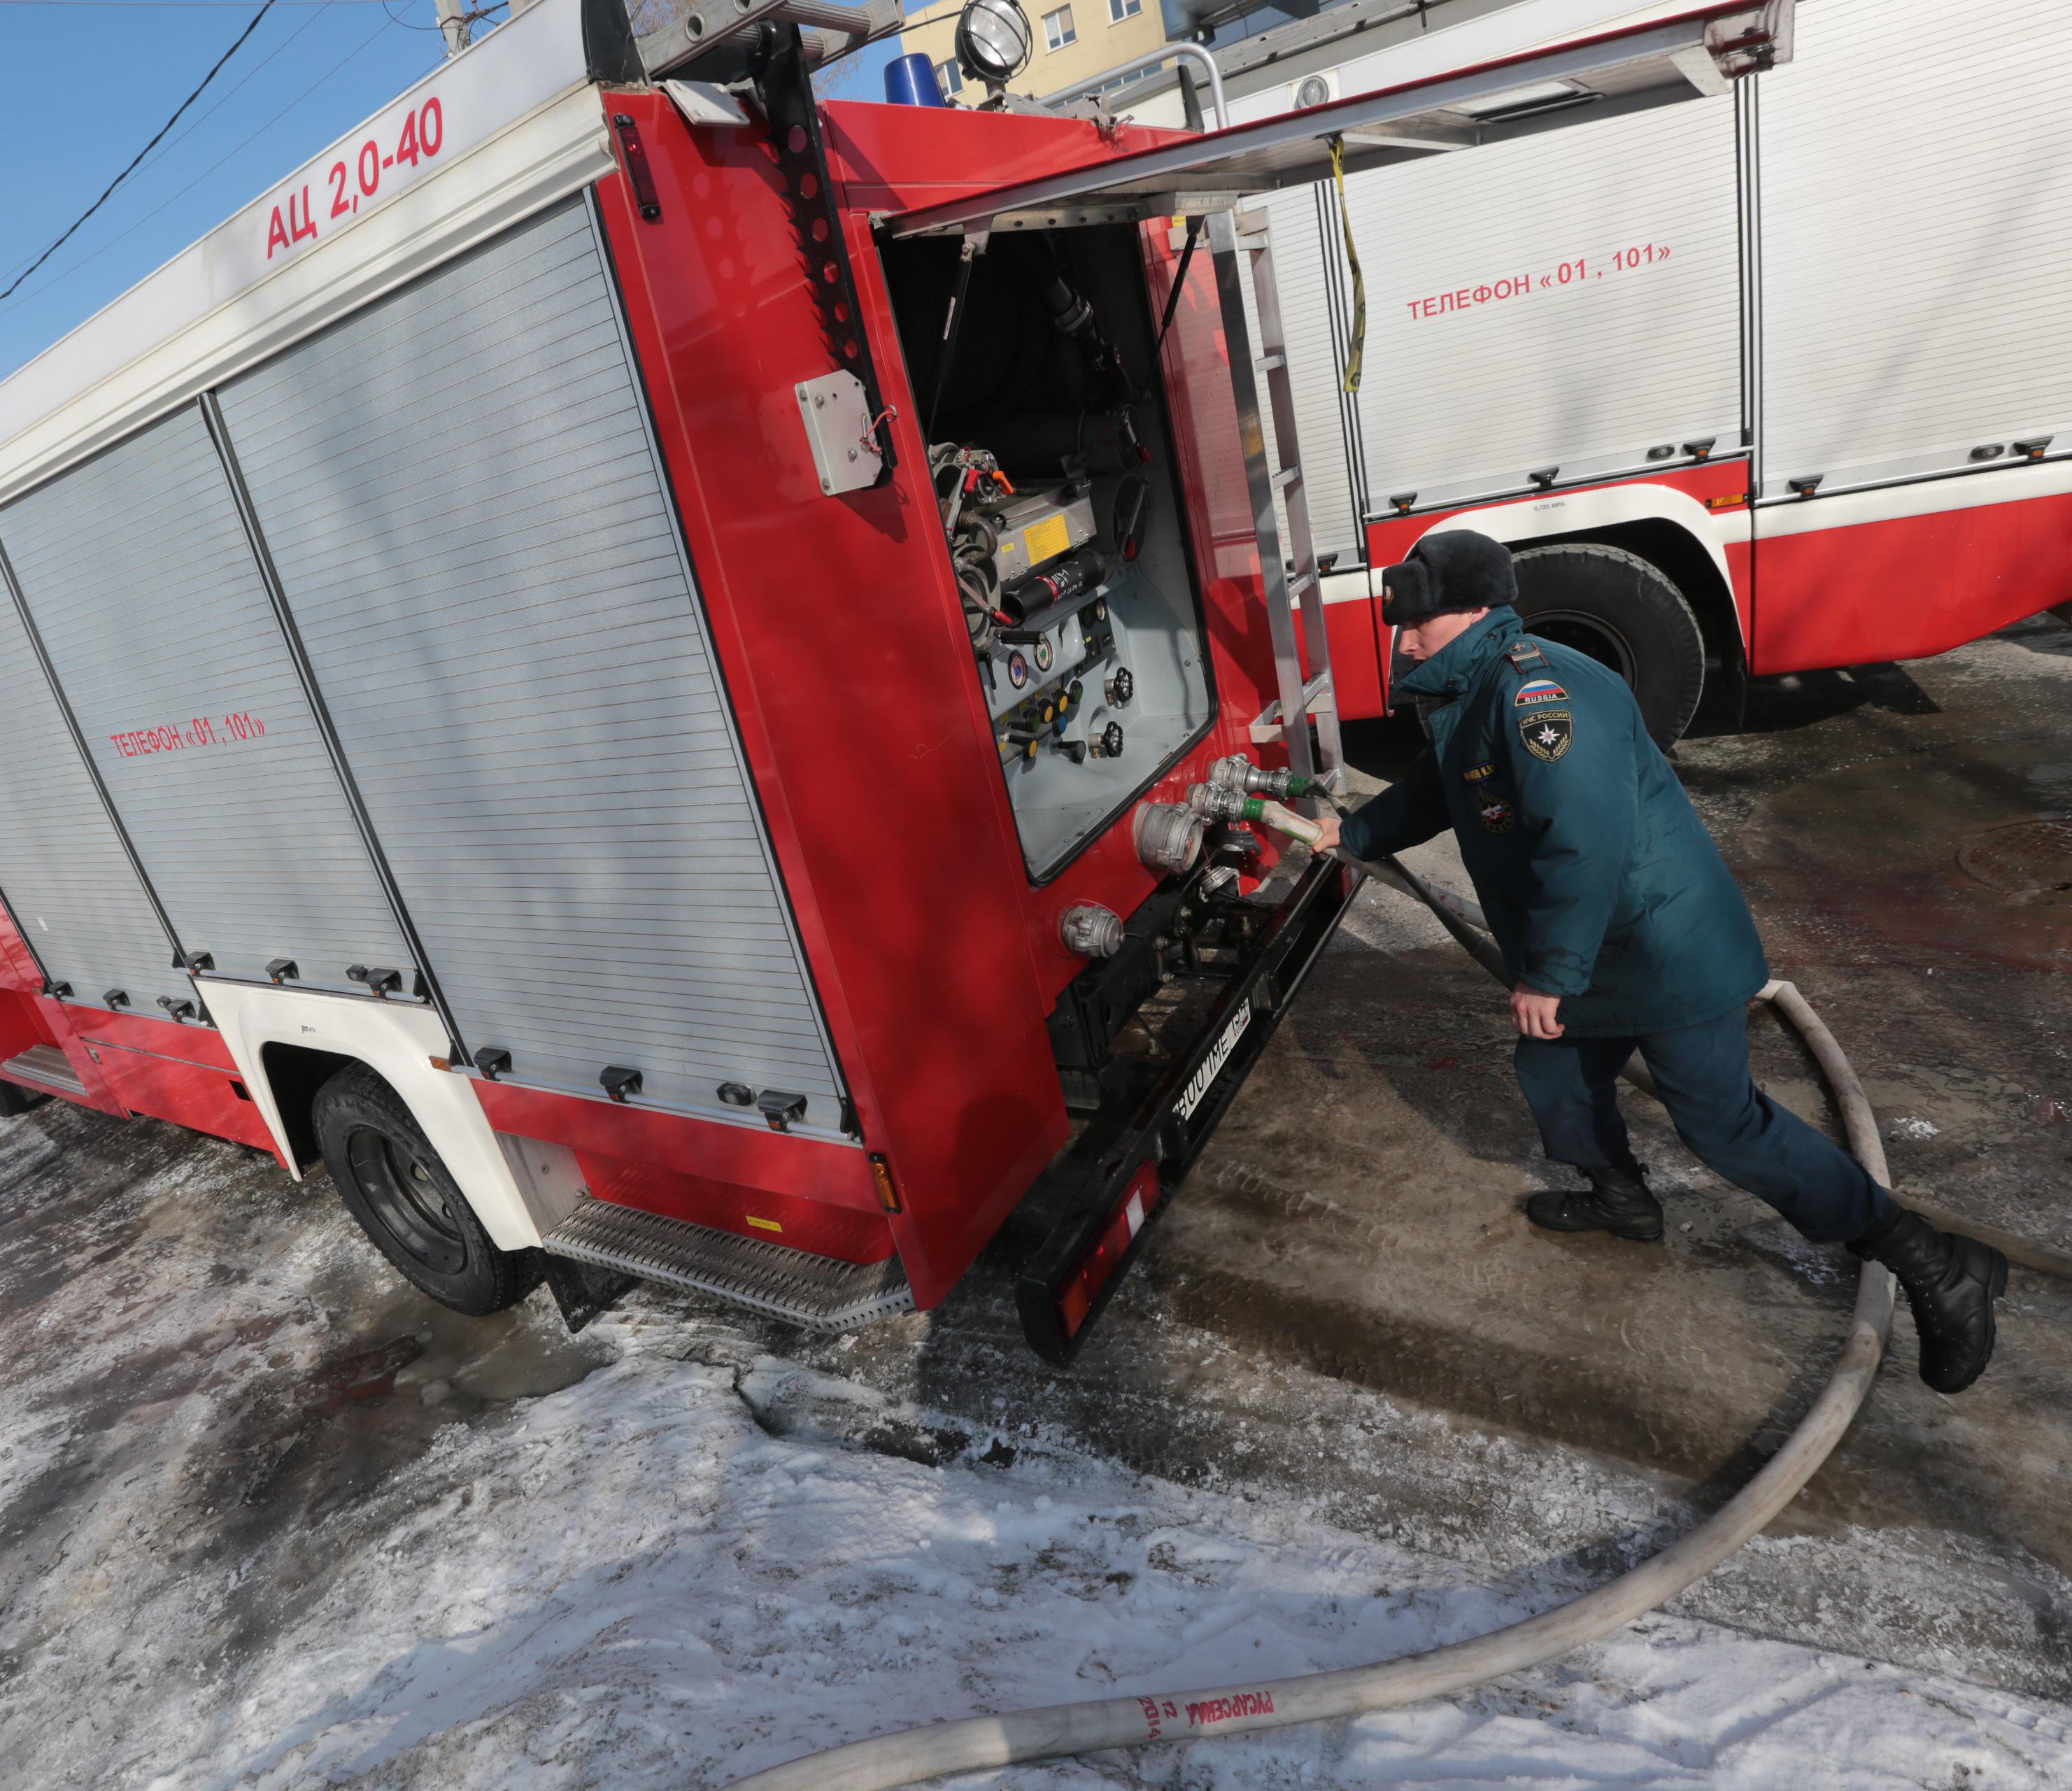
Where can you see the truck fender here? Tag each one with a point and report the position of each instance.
(1521, 522)
(398, 1040)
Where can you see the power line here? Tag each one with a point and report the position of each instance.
(316, 11)
(265, 8)
(475, 17)
(336, 68)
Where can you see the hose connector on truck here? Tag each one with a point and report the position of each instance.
(611, 658)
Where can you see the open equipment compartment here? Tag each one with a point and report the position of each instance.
(1049, 447)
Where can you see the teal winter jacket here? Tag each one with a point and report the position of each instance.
(1599, 879)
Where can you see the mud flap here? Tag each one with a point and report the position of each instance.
(583, 1293)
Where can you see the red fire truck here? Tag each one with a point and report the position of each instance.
(669, 678)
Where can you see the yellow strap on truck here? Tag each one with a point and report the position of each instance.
(1352, 259)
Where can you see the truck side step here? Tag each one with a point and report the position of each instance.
(816, 1292)
(49, 1067)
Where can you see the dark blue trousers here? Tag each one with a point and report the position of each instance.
(1724, 1120)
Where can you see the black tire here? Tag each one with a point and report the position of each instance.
(1621, 611)
(406, 1200)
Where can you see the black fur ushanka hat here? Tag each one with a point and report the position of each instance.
(1454, 570)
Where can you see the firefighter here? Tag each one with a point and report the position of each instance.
(1622, 931)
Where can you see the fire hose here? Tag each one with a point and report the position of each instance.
(910, 1756)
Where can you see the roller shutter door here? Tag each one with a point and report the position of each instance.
(1460, 401)
(458, 489)
(1917, 238)
(63, 869)
(143, 587)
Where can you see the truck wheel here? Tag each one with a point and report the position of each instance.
(406, 1200)
(1621, 611)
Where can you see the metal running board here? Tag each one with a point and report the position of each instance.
(816, 1292)
(48, 1066)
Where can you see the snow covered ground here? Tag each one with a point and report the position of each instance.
(245, 1547)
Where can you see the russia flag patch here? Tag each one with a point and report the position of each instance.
(1540, 690)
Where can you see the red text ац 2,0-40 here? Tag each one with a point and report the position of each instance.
(424, 133)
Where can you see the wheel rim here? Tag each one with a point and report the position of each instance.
(1586, 634)
(406, 1201)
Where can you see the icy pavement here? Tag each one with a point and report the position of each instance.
(260, 1535)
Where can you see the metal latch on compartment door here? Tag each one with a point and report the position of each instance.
(835, 410)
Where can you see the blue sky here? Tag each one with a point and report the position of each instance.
(85, 83)
(83, 86)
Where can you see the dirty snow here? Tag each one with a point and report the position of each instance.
(268, 1519)
(630, 1582)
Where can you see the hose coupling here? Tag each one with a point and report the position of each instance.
(1216, 802)
(1239, 773)
(1168, 835)
(1091, 931)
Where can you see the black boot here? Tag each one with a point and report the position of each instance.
(1952, 1283)
(1617, 1201)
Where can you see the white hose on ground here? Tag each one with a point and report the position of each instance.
(912, 1755)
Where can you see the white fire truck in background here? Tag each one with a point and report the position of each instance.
(1777, 382)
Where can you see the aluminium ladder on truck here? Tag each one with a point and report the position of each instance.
(1241, 244)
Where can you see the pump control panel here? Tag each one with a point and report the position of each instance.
(1065, 530)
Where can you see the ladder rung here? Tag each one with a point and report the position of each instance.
(1255, 244)
(1287, 476)
(1268, 364)
(1316, 687)
(1300, 583)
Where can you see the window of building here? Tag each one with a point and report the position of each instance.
(1129, 80)
(1119, 10)
(1058, 30)
(950, 78)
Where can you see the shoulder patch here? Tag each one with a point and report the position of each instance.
(1547, 733)
(1474, 774)
(1496, 815)
(1539, 689)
